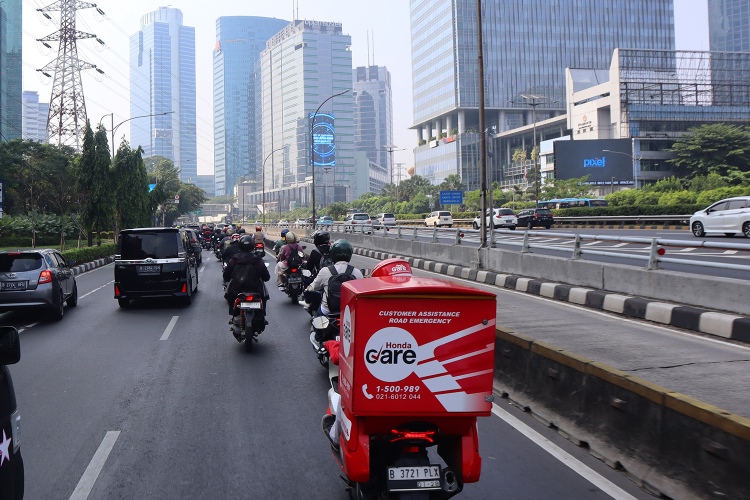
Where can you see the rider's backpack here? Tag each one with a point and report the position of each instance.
(244, 278)
(325, 260)
(294, 260)
(334, 287)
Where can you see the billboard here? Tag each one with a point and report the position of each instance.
(605, 161)
(324, 140)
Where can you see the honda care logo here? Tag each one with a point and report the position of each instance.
(595, 162)
(391, 354)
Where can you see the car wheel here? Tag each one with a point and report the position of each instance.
(59, 311)
(122, 302)
(746, 229)
(698, 230)
(530, 225)
(512, 228)
(547, 226)
(73, 299)
(475, 225)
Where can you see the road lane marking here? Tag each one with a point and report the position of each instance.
(620, 245)
(568, 460)
(201, 269)
(96, 289)
(95, 466)
(165, 335)
(730, 252)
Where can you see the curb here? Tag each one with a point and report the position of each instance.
(728, 326)
(88, 266)
(621, 226)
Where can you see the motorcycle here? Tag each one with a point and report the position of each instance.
(323, 329)
(260, 249)
(293, 279)
(248, 318)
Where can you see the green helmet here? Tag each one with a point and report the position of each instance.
(341, 250)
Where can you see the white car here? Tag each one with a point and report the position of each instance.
(730, 216)
(360, 222)
(384, 219)
(439, 218)
(501, 217)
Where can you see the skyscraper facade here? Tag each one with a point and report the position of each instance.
(34, 117)
(527, 45)
(239, 41)
(373, 121)
(162, 90)
(729, 25)
(10, 70)
(302, 66)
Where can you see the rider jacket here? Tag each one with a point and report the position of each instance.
(313, 261)
(287, 249)
(261, 272)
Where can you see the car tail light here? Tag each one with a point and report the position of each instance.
(117, 291)
(45, 276)
(184, 288)
(536, 216)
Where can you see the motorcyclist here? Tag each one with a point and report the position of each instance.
(320, 255)
(280, 243)
(341, 254)
(246, 272)
(226, 239)
(260, 236)
(231, 248)
(292, 245)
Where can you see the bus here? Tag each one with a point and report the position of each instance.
(573, 203)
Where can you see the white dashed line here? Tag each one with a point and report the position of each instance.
(170, 326)
(95, 466)
(96, 289)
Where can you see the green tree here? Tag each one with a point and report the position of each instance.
(415, 184)
(132, 208)
(566, 188)
(338, 210)
(666, 185)
(701, 183)
(222, 200)
(452, 183)
(717, 148)
(191, 198)
(94, 182)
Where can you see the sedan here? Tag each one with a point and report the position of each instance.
(325, 220)
(37, 279)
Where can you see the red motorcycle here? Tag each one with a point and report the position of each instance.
(416, 361)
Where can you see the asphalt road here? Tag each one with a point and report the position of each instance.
(116, 404)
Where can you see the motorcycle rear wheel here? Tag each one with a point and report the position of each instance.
(249, 341)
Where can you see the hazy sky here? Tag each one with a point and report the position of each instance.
(386, 20)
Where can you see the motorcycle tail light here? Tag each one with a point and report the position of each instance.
(45, 276)
(294, 270)
(398, 435)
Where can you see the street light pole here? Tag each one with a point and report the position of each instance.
(115, 127)
(263, 181)
(482, 141)
(312, 146)
(632, 157)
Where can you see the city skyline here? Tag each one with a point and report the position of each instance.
(388, 25)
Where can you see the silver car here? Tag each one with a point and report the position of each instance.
(37, 279)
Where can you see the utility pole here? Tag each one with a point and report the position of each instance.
(67, 109)
(482, 135)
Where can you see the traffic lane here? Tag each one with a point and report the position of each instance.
(685, 362)
(223, 423)
(71, 373)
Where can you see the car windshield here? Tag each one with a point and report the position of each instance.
(389, 216)
(16, 263)
(143, 245)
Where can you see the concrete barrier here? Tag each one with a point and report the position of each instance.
(667, 442)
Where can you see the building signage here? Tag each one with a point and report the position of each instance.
(585, 125)
(605, 161)
(595, 162)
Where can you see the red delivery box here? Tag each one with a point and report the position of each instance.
(416, 346)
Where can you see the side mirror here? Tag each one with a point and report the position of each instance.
(10, 345)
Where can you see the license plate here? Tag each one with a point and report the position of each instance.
(426, 477)
(250, 305)
(149, 269)
(294, 279)
(13, 285)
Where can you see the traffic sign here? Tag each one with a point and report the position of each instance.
(453, 197)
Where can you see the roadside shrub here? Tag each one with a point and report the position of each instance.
(678, 198)
(683, 209)
(647, 197)
(88, 254)
(713, 195)
(621, 198)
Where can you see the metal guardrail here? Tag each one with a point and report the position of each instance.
(655, 257)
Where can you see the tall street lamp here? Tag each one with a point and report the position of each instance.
(263, 181)
(632, 157)
(312, 146)
(115, 127)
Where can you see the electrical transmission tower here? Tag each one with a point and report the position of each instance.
(67, 109)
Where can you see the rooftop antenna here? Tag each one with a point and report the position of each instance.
(373, 48)
(368, 47)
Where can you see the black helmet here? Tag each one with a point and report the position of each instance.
(246, 243)
(241, 230)
(321, 238)
(341, 250)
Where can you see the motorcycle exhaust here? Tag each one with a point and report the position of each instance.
(449, 481)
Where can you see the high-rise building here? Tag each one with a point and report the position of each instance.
(162, 90)
(527, 45)
(373, 122)
(10, 70)
(304, 65)
(206, 183)
(34, 117)
(729, 25)
(239, 41)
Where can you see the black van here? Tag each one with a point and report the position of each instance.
(155, 262)
(11, 463)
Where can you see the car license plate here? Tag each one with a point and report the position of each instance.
(13, 285)
(294, 279)
(149, 269)
(250, 305)
(426, 477)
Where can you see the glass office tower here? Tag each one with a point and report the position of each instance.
(162, 90)
(239, 41)
(303, 65)
(729, 25)
(10, 70)
(527, 47)
(373, 122)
